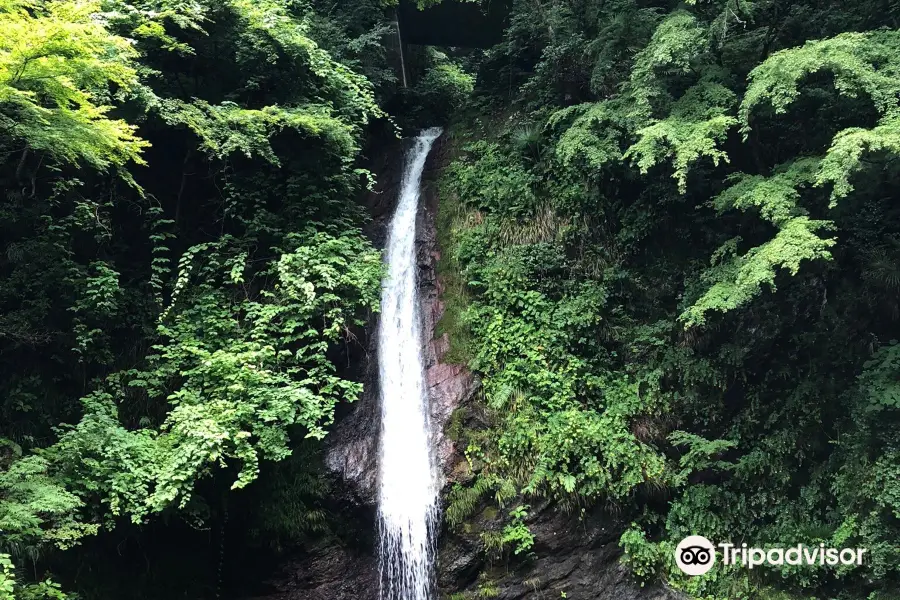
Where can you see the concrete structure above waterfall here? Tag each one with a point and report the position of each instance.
(459, 23)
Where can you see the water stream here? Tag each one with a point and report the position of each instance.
(408, 483)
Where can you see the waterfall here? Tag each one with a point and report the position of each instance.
(408, 486)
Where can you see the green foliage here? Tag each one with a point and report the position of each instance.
(226, 129)
(248, 369)
(56, 62)
(7, 580)
(642, 557)
(516, 532)
(10, 590)
(736, 279)
(677, 42)
(492, 181)
(690, 325)
(463, 501)
(445, 85)
(693, 327)
(698, 121)
(595, 136)
(173, 334)
(861, 64)
(879, 379)
(844, 158)
(440, 92)
(563, 428)
(488, 590)
(36, 506)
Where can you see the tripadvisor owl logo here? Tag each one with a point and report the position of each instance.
(695, 555)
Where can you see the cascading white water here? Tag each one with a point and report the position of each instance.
(407, 502)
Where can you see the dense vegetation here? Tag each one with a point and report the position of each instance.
(671, 254)
(674, 260)
(181, 258)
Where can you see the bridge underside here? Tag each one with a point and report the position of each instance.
(454, 23)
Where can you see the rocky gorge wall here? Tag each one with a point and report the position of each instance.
(352, 448)
(577, 557)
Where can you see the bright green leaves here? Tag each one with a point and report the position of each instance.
(516, 532)
(692, 128)
(11, 589)
(845, 157)
(224, 363)
(861, 63)
(270, 28)
(58, 67)
(769, 438)
(227, 128)
(328, 272)
(332, 103)
(7, 578)
(701, 454)
(443, 88)
(735, 280)
(238, 373)
(99, 458)
(248, 371)
(494, 181)
(564, 425)
(595, 135)
(642, 557)
(698, 122)
(592, 453)
(678, 41)
(250, 368)
(776, 197)
(36, 506)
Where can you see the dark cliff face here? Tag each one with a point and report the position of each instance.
(578, 557)
(352, 447)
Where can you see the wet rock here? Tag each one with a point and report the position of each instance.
(449, 385)
(352, 447)
(571, 555)
(326, 571)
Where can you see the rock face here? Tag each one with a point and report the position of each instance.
(449, 385)
(575, 557)
(353, 446)
(326, 571)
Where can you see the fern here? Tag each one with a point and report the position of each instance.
(463, 501)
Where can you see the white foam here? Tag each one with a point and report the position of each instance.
(407, 497)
